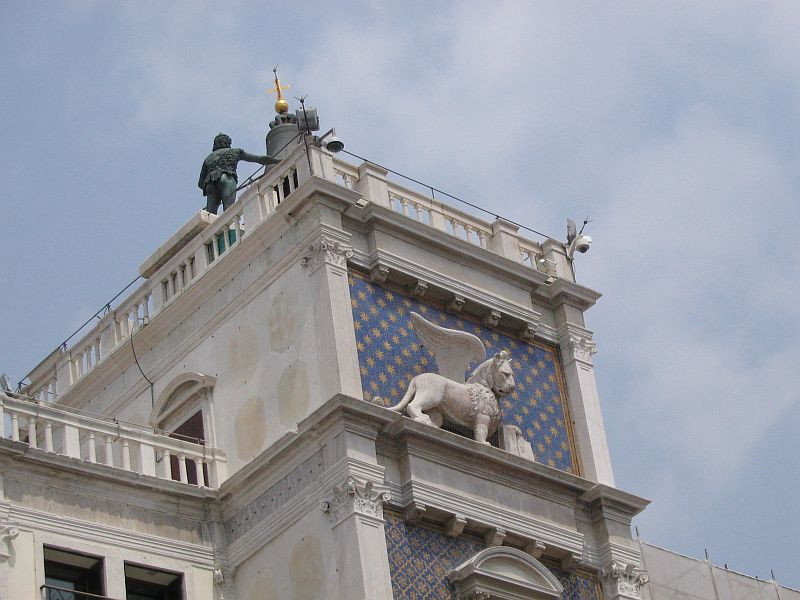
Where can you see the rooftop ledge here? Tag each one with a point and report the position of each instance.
(207, 240)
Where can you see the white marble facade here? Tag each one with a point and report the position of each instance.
(246, 319)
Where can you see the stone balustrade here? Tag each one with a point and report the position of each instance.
(109, 442)
(169, 278)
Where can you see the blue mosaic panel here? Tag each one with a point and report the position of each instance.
(577, 586)
(390, 354)
(420, 559)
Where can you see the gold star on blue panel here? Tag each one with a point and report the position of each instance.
(390, 355)
(421, 558)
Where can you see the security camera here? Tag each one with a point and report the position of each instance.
(581, 243)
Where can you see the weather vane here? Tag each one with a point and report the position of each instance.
(281, 105)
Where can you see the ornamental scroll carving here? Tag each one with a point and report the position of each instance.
(7, 533)
(625, 580)
(348, 499)
(327, 251)
(576, 342)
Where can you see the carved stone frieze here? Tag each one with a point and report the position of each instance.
(327, 251)
(624, 580)
(348, 499)
(7, 533)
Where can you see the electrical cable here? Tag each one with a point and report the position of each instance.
(136, 359)
(433, 189)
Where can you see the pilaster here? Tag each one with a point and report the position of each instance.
(623, 582)
(372, 183)
(326, 264)
(355, 512)
(577, 349)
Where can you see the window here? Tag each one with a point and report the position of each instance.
(190, 431)
(144, 583)
(70, 576)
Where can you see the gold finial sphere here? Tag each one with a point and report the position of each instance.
(281, 106)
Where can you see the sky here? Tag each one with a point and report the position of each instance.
(673, 125)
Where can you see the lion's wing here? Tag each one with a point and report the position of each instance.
(453, 349)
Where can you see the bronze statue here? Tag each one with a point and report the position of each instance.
(218, 177)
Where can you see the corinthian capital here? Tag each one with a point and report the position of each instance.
(329, 251)
(625, 580)
(348, 499)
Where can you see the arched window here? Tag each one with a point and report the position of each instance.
(183, 411)
(503, 573)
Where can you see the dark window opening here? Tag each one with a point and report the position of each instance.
(286, 189)
(277, 193)
(144, 583)
(294, 179)
(192, 431)
(70, 576)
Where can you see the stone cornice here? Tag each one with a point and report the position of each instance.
(52, 468)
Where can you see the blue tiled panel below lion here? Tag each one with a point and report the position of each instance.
(390, 354)
(421, 558)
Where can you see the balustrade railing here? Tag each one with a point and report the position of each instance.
(255, 205)
(99, 440)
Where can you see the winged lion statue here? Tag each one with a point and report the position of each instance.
(433, 397)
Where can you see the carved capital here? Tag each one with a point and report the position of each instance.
(379, 274)
(624, 580)
(327, 251)
(7, 533)
(576, 343)
(456, 304)
(492, 318)
(348, 499)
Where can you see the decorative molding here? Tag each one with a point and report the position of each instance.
(576, 342)
(327, 251)
(419, 289)
(570, 561)
(492, 318)
(7, 533)
(456, 304)
(528, 332)
(504, 573)
(414, 512)
(223, 579)
(535, 548)
(495, 536)
(455, 525)
(275, 496)
(625, 580)
(378, 274)
(348, 499)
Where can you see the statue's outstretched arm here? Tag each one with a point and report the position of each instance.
(255, 158)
